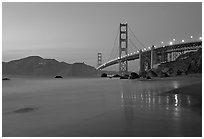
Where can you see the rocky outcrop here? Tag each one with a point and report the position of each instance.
(186, 63)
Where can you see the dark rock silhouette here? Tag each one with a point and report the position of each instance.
(126, 76)
(143, 74)
(35, 65)
(148, 77)
(123, 77)
(116, 76)
(58, 76)
(134, 75)
(5, 78)
(162, 74)
(178, 72)
(104, 75)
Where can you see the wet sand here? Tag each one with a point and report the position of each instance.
(195, 91)
(100, 108)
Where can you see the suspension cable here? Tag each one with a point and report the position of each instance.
(114, 44)
(137, 38)
(116, 53)
(133, 44)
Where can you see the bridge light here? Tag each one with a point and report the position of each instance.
(200, 38)
(145, 49)
(149, 47)
(171, 43)
(191, 37)
(174, 39)
(163, 46)
(162, 42)
(182, 40)
(137, 51)
(118, 57)
(131, 54)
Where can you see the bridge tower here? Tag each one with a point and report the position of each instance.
(123, 48)
(99, 59)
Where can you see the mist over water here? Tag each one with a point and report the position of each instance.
(97, 107)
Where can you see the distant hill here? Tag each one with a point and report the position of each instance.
(35, 65)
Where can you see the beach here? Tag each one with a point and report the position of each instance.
(102, 107)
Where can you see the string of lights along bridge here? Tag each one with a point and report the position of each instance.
(149, 57)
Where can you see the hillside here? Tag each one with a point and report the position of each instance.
(35, 65)
(187, 63)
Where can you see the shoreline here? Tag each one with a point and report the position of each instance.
(196, 75)
(194, 90)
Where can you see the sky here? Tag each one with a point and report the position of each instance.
(76, 32)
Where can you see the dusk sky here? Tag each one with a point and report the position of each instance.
(76, 32)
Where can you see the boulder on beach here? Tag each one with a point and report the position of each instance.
(123, 77)
(104, 75)
(5, 78)
(134, 75)
(116, 75)
(58, 76)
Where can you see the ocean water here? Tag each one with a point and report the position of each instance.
(97, 107)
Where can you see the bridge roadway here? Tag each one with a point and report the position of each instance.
(189, 46)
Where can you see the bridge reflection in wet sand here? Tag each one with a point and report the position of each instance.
(150, 112)
(99, 107)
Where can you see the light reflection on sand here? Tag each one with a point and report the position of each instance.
(98, 107)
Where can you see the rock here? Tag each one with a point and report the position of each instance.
(148, 77)
(190, 62)
(163, 74)
(178, 72)
(143, 74)
(5, 78)
(115, 76)
(123, 77)
(134, 75)
(104, 75)
(151, 73)
(58, 76)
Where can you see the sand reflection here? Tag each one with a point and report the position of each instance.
(152, 97)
